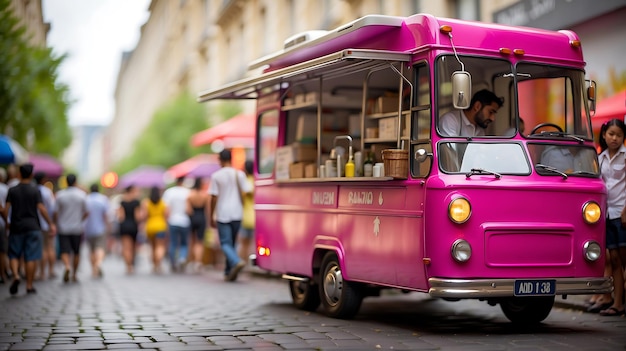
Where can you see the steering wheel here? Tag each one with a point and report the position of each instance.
(547, 124)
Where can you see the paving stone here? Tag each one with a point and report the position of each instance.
(123, 346)
(28, 345)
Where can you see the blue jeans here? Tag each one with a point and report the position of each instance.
(228, 238)
(178, 244)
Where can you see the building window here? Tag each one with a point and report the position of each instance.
(467, 10)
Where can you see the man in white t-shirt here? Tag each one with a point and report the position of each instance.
(227, 186)
(474, 120)
(71, 211)
(178, 221)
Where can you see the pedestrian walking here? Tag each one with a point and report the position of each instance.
(612, 160)
(97, 227)
(246, 234)
(199, 203)
(226, 189)
(175, 199)
(49, 252)
(156, 226)
(12, 175)
(25, 238)
(129, 215)
(71, 211)
(4, 240)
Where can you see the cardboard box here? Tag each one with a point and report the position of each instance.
(306, 127)
(311, 96)
(303, 153)
(300, 98)
(296, 170)
(294, 153)
(310, 170)
(388, 128)
(386, 104)
(371, 133)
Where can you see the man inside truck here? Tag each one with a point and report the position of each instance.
(474, 120)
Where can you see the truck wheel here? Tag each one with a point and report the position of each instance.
(529, 310)
(340, 298)
(305, 295)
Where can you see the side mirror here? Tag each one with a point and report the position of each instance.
(591, 96)
(421, 155)
(461, 89)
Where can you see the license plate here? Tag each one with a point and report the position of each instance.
(535, 287)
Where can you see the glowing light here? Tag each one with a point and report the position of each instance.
(109, 180)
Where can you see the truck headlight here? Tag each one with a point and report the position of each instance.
(591, 212)
(459, 210)
(461, 250)
(592, 251)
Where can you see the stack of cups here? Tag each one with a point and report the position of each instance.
(331, 169)
(378, 170)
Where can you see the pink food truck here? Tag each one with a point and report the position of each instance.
(361, 184)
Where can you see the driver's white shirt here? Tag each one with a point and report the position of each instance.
(450, 125)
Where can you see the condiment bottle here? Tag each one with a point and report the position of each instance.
(368, 166)
(350, 168)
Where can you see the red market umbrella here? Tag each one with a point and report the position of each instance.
(199, 166)
(144, 177)
(47, 164)
(239, 130)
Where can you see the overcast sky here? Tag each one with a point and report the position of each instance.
(93, 33)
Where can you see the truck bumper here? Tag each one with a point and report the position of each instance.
(486, 288)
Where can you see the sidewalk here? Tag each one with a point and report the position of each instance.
(574, 302)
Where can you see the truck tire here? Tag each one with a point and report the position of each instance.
(527, 310)
(305, 295)
(340, 298)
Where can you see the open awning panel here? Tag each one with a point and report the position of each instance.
(340, 63)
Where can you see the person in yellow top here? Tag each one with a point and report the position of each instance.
(246, 234)
(156, 226)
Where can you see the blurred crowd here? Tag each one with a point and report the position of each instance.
(185, 228)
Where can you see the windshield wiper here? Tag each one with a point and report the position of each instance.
(559, 134)
(587, 173)
(475, 171)
(551, 169)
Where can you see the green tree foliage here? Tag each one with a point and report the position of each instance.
(32, 100)
(166, 140)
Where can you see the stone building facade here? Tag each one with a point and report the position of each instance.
(30, 15)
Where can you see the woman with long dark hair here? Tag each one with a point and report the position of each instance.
(198, 202)
(129, 215)
(613, 169)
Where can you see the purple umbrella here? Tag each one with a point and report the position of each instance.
(144, 177)
(47, 164)
(203, 170)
